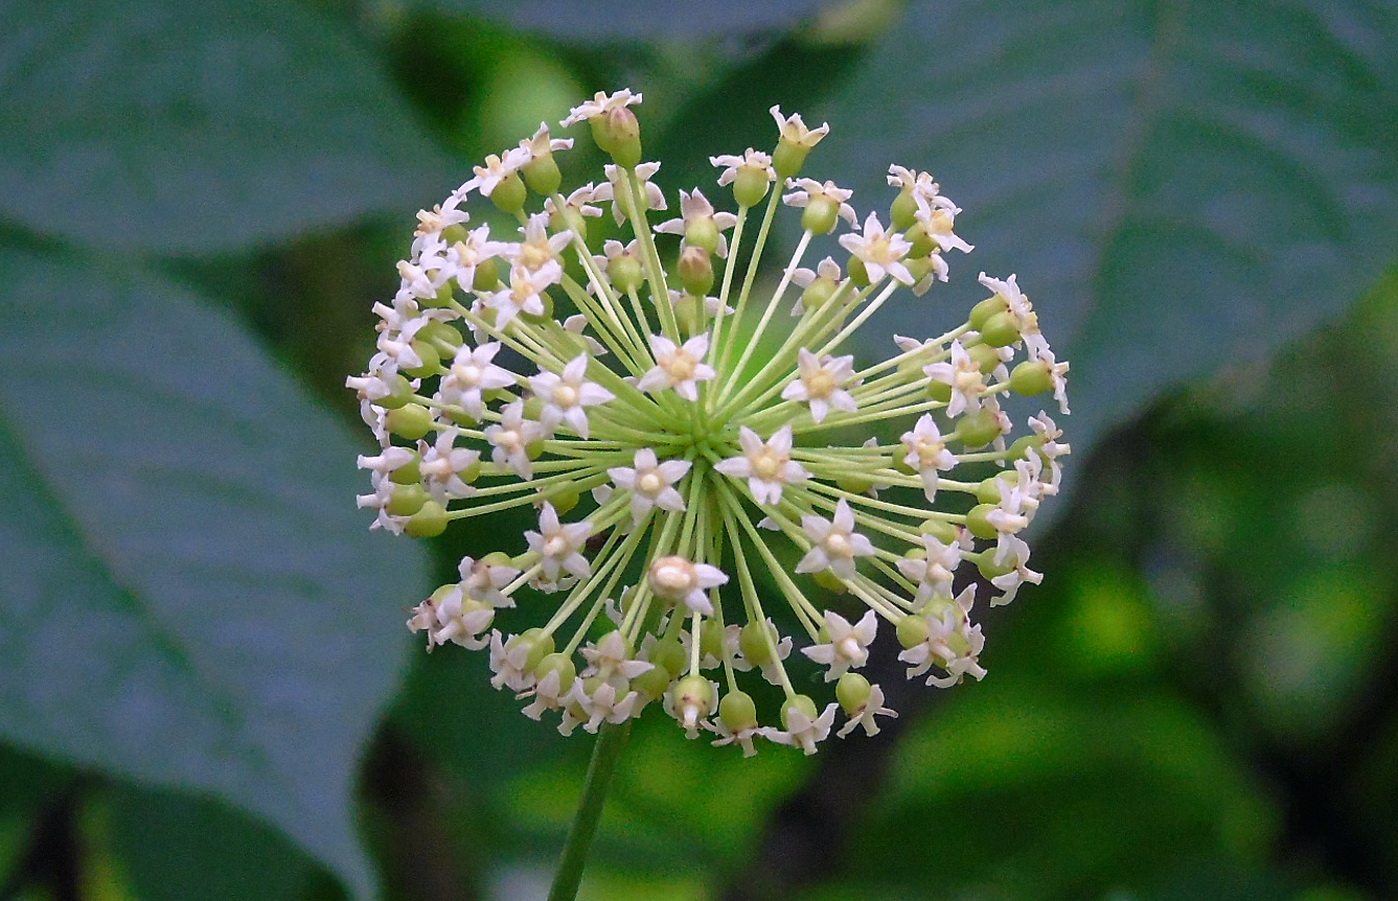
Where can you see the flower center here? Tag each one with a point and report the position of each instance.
(650, 484)
(565, 396)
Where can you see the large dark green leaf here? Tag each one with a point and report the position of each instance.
(1177, 184)
(152, 125)
(190, 597)
(653, 19)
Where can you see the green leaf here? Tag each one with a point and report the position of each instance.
(150, 125)
(631, 19)
(174, 848)
(1178, 185)
(190, 596)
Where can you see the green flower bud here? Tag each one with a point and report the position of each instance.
(440, 333)
(912, 631)
(711, 639)
(557, 663)
(653, 683)
(821, 215)
(978, 524)
(921, 241)
(442, 298)
(737, 711)
(984, 310)
(989, 569)
(400, 392)
(988, 491)
(455, 233)
(903, 212)
(411, 421)
(1020, 449)
(979, 428)
(542, 175)
(487, 276)
(569, 219)
(802, 703)
(1031, 377)
(406, 500)
(750, 186)
(788, 159)
(756, 641)
(852, 691)
(563, 499)
(818, 293)
(540, 645)
(696, 270)
(619, 135)
(543, 318)
(428, 522)
(509, 195)
(408, 473)
(626, 273)
(938, 391)
(854, 484)
(431, 360)
(827, 579)
(857, 273)
(694, 690)
(943, 530)
(984, 356)
(702, 231)
(1000, 330)
(669, 653)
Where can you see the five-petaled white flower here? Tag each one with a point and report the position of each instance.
(650, 483)
(848, 645)
(880, 251)
(676, 578)
(678, 367)
(559, 545)
(767, 465)
(566, 396)
(821, 384)
(834, 543)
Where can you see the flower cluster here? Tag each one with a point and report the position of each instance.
(679, 433)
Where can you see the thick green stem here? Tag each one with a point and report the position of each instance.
(606, 753)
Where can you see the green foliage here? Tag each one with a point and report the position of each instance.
(194, 616)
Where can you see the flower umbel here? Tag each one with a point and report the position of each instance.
(682, 437)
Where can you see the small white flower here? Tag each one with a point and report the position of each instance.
(678, 367)
(442, 465)
(541, 144)
(802, 731)
(472, 372)
(809, 189)
(963, 375)
(567, 396)
(677, 579)
(767, 465)
(834, 543)
(610, 657)
(483, 581)
(864, 716)
(601, 104)
(751, 159)
(559, 545)
(881, 252)
(794, 130)
(933, 573)
(651, 194)
(524, 295)
(606, 704)
(695, 207)
(650, 483)
(925, 191)
(495, 170)
(926, 452)
(821, 382)
(848, 646)
(511, 439)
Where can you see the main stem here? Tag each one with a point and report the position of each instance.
(606, 753)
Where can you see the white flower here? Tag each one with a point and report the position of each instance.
(675, 578)
(566, 396)
(695, 209)
(650, 483)
(1050, 449)
(611, 658)
(431, 222)
(963, 375)
(834, 542)
(524, 295)
(933, 572)
(600, 105)
(811, 190)
(794, 130)
(472, 372)
(924, 190)
(542, 145)
(864, 716)
(952, 643)
(821, 384)
(767, 465)
(755, 160)
(495, 170)
(651, 194)
(926, 452)
(678, 367)
(511, 439)
(538, 252)
(442, 465)
(606, 704)
(880, 251)
(848, 646)
(483, 581)
(559, 545)
(802, 730)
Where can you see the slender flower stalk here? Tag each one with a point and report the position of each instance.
(681, 435)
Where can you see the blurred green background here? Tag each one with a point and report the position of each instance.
(205, 687)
